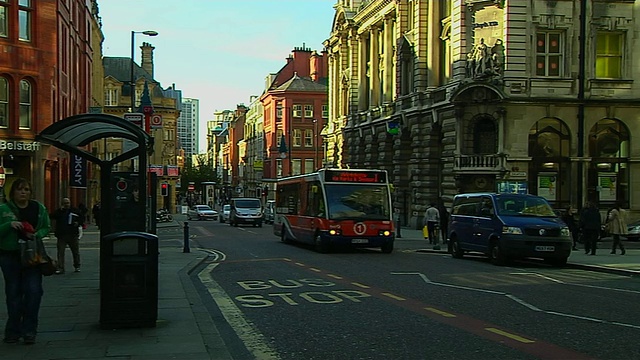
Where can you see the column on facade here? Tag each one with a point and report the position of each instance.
(353, 67)
(362, 72)
(343, 66)
(389, 70)
(433, 45)
(374, 71)
(332, 89)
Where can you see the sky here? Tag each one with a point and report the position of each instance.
(217, 51)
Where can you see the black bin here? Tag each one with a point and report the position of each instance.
(129, 280)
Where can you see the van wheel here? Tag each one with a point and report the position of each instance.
(496, 255)
(320, 246)
(456, 251)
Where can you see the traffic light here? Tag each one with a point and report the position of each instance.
(164, 187)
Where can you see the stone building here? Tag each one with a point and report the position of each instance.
(460, 96)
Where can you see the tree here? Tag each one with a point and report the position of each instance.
(198, 173)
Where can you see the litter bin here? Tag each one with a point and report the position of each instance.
(129, 280)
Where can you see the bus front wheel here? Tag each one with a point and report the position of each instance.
(321, 246)
(387, 248)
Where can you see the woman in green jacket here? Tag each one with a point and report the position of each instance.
(23, 285)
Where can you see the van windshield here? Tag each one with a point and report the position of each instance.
(524, 206)
(248, 204)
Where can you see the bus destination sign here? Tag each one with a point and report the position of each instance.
(355, 176)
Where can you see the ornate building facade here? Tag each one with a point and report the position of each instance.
(461, 96)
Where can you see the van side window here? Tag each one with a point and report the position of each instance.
(486, 207)
(466, 206)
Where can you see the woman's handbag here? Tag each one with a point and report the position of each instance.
(48, 267)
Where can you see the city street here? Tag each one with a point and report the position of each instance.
(272, 300)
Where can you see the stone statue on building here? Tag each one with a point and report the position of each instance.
(484, 62)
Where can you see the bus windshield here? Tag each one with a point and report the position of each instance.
(524, 206)
(357, 202)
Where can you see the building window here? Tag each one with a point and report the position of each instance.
(297, 166)
(549, 54)
(485, 136)
(3, 19)
(297, 110)
(308, 111)
(308, 166)
(25, 104)
(279, 112)
(609, 47)
(24, 20)
(4, 103)
(279, 137)
(279, 167)
(325, 111)
(111, 97)
(609, 171)
(308, 138)
(297, 137)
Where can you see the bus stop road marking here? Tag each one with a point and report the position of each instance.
(440, 312)
(395, 297)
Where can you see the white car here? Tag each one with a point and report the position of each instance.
(202, 212)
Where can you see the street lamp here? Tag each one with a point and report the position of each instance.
(131, 78)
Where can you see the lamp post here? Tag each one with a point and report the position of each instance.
(132, 84)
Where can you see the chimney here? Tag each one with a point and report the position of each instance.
(302, 60)
(316, 66)
(147, 58)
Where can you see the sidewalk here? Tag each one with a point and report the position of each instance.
(70, 313)
(628, 264)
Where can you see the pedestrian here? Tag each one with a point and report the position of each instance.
(67, 224)
(96, 213)
(569, 218)
(590, 226)
(23, 285)
(444, 221)
(432, 220)
(617, 225)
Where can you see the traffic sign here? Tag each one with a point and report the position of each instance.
(155, 121)
(136, 118)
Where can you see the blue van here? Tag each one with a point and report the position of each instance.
(508, 226)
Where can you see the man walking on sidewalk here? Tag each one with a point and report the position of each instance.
(432, 220)
(67, 223)
(590, 226)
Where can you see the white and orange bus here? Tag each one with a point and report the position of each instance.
(336, 207)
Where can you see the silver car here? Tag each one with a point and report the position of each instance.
(226, 209)
(202, 212)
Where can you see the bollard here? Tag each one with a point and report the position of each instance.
(186, 248)
(398, 233)
(436, 237)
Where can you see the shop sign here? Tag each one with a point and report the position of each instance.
(2, 176)
(158, 169)
(78, 171)
(172, 170)
(19, 145)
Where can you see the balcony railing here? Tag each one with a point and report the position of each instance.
(493, 163)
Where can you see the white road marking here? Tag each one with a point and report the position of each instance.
(522, 302)
(252, 338)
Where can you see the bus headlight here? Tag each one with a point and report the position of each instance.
(512, 230)
(565, 231)
(384, 233)
(335, 232)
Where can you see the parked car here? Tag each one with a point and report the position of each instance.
(246, 211)
(224, 216)
(202, 212)
(508, 226)
(270, 212)
(633, 230)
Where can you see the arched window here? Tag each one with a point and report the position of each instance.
(25, 104)
(4, 102)
(549, 138)
(485, 136)
(609, 170)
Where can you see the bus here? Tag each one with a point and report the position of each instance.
(336, 207)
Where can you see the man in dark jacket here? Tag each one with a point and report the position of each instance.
(67, 223)
(590, 226)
